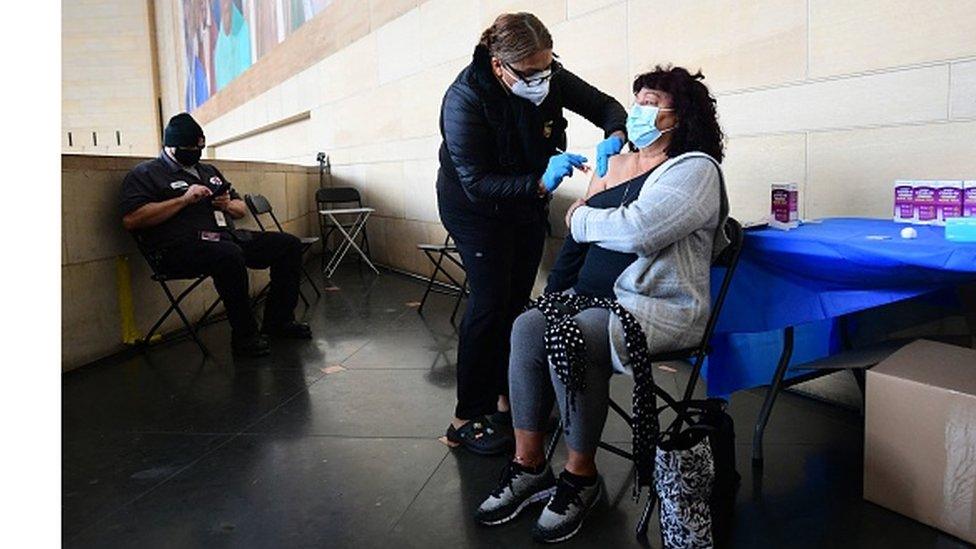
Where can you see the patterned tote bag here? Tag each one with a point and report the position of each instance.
(695, 477)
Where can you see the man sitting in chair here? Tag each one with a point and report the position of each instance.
(182, 211)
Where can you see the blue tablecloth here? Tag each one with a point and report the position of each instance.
(810, 276)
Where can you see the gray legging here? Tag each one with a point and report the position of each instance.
(532, 381)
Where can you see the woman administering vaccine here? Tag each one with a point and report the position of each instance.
(501, 158)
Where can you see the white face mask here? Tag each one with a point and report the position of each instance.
(536, 94)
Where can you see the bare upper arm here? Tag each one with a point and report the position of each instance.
(618, 171)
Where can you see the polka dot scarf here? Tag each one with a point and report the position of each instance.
(567, 355)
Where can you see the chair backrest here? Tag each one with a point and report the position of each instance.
(338, 195)
(259, 205)
(151, 258)
(728, 259)
(328, 197)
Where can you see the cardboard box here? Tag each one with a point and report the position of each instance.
(920, 436)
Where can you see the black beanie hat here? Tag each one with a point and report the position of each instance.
(182, 131)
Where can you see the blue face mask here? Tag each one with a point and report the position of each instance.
(641, 128)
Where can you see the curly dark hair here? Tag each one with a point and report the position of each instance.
(698, 128)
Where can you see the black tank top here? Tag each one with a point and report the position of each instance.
(602, 267)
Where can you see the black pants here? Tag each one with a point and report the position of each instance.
(227, 261)
(501, 261)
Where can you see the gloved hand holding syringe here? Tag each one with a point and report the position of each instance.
(562, 165)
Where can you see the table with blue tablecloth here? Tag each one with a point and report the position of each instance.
(791, 287)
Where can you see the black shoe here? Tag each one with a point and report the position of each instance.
(480, 437)
(517, 489)
(503, 419)
(289, 330)
(251, 346)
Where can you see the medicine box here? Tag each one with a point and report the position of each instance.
(904, 201)
(924, 202)
(948, 200)
(969, 198)
(784, 206)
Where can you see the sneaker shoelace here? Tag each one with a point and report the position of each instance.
(566, 494)
(507, 479)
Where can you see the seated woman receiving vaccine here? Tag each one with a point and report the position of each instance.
(631, 279)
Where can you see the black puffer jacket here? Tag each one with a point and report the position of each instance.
(497, 145)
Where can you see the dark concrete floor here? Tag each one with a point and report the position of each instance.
(168, 450)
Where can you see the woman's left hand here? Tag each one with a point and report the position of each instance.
(572, 208)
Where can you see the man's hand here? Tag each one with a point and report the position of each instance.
(195, 194)
(222, 202)
(572, 208)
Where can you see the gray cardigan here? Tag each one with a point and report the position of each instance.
(676, 227)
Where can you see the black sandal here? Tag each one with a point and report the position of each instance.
(503, 419)
(479, 436)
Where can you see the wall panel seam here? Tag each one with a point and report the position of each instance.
(98, 259)
(933, 121)
(807, 26)
(806, 172)
(949, 93)
(848, 76)
(594, 10)
(380, 85)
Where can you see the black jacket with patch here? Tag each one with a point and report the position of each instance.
(497, 145)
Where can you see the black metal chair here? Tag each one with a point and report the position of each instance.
(331, 197)
(325, 167)
(163, 279)
(729, 259)
(436, 253)
(259, 205)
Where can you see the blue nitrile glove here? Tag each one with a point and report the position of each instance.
(560, 166)
(607, 148)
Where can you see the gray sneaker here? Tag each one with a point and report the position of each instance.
(517, 489)
(563, 515)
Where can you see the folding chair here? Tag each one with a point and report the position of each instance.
(174, 301)
(325, 167)
(441, 251)
(259, 206)
(728, 259)
(337, 199)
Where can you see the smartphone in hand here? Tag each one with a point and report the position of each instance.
(223, 188)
